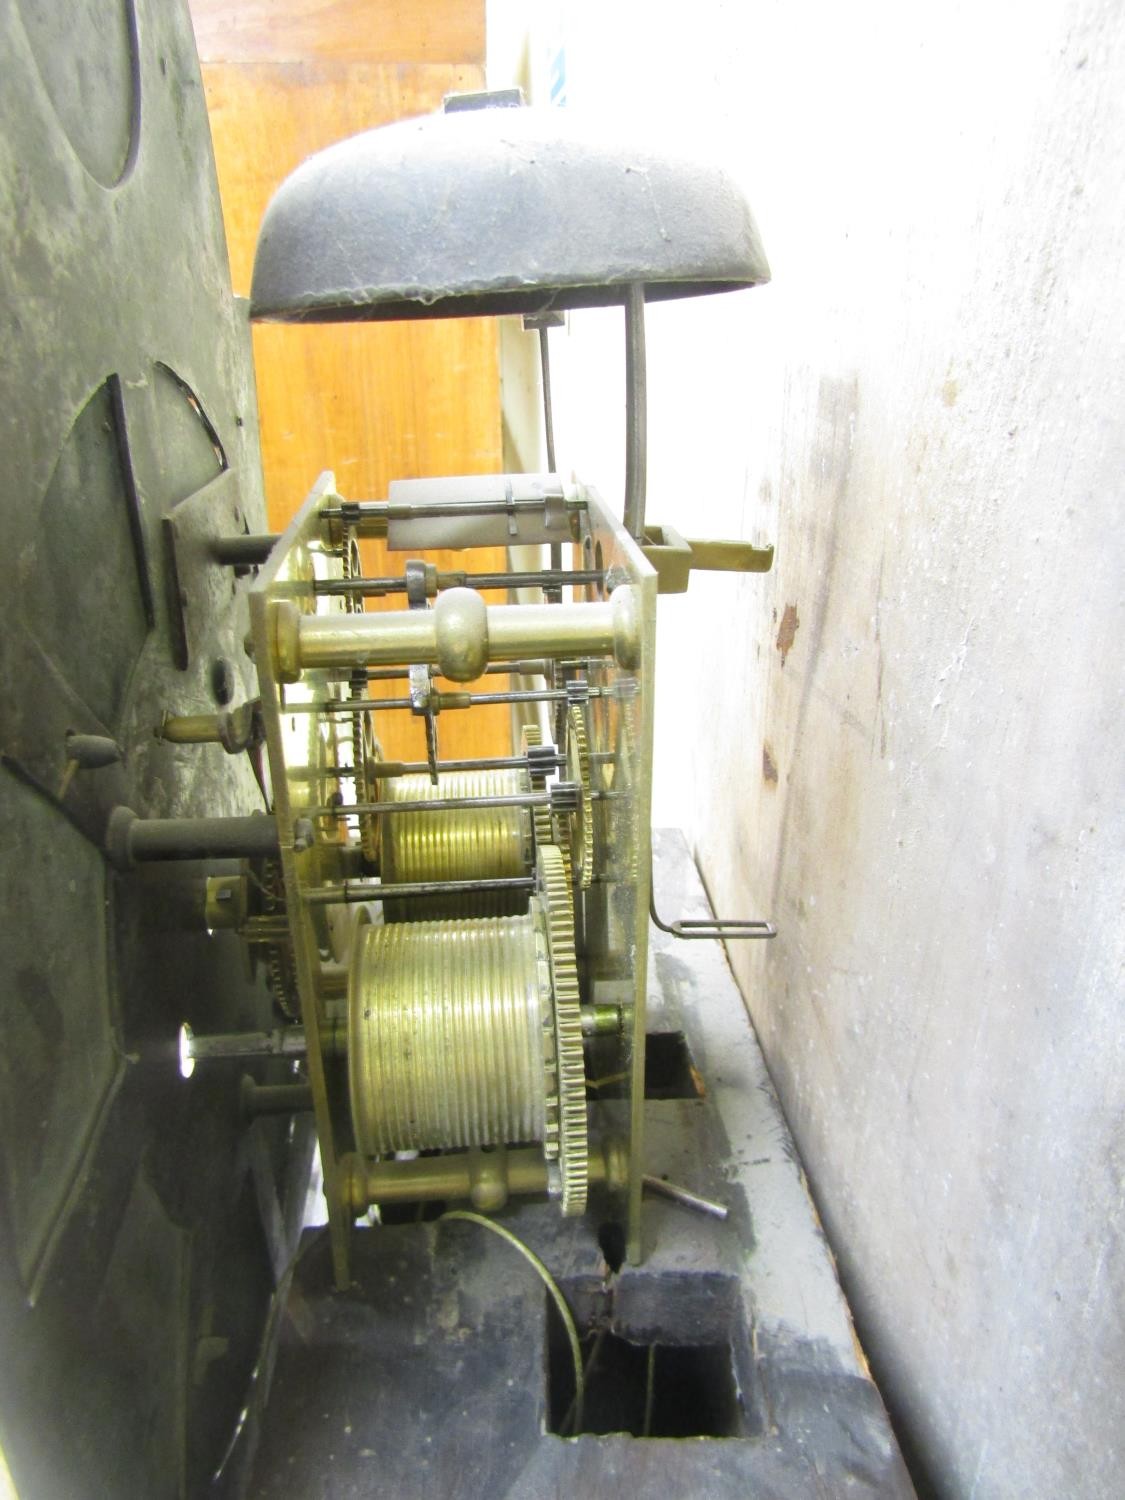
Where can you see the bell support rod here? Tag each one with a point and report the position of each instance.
(636, 412)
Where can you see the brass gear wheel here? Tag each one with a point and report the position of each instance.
(558, 906)
(626, 774)
(281, 980)
(366, 750)
(578, 770)
(365, 747)
(530, 735)
(278, 961)
(548, 830)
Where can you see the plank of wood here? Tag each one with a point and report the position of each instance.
(374, 402)
(392, 31)
(267, 118)
(371, 401)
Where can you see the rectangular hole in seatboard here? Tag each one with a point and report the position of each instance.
(649, 1390)
(669, 1070)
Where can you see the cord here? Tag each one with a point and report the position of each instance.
(556, 1296)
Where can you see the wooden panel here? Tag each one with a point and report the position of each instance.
(394, 31)
(373, 402)
(266, 118)
(376, 402)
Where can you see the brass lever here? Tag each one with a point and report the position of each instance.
(674, 558)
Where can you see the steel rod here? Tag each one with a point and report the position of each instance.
(470, 700)
(384, 510)
(722, 928)
(636, 421)
(523, 695)
(537, 667)
(351, 891)
(388, 769)
(537, 578)
(549, 423)
(548, 410)
(439, 804)
(283, 1041)
(683, 1195)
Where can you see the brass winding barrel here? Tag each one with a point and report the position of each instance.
(449, 1033)
(472, 843)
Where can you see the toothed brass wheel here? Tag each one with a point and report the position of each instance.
(365, 747)
(457, 844)
(530, 735)
(554, 892)
(468, 1032)
(578, 771)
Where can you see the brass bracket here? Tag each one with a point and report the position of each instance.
(674, 558)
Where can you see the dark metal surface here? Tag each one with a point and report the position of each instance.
(131, 840)
(197, 588)
(135, 1262)
(242, 551)
(497, 211)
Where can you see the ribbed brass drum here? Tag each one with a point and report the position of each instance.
(450, 1034)
(476, 843)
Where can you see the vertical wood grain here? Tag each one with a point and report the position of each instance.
(372, 402)
(391, 31)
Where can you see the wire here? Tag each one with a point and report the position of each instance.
(591, 1360)
(604, 1083)
(678, 1194)
(553, 1288)
(723, 928)
(650, 1390)
(251, 1410)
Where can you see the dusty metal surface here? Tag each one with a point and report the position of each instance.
(136, 1258)
(497, 211)
(439, 1370)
